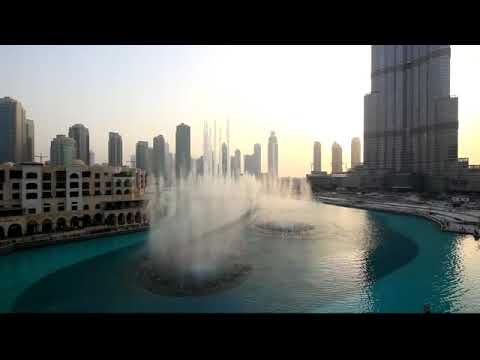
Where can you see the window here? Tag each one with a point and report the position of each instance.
(1, 196)
(74, 207)
(74, 185)
(60, 194)
(118, 192)
(73, 193)
(2, 176)
(97, 175)
(97, 192)
(32, 196)
(16, 174)
(32, 211)
(108, 192)
(16, 196)
(86, 174)
(60, 185)
(60, 175)
(85, 207)
(98, 206)
(46, 209)
(118, 183)
(31, 175)
(108, 184)
(85, 185)
(47, 186)
(47, 176)
(97, 184)
(32, 186)
(85, 193)
(47, 195)
(105, 174)
(16, 186)
(61, 207)
(74, 176)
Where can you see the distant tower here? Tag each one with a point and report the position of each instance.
(12, 130)
(337, 167)
(273, 155)
(317, 156)
(256, 160)
(62, 151)
(159, 156)
(115, 149)
(355, 152)
(30, 145)
(224, 159)
(92, 158)
(238, 163)
(133, 161)
(141, 155)
(80, 134)
(182, 151)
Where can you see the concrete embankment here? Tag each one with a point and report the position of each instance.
(9, 246)
(447, 220)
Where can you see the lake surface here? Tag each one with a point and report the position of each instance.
(351, 260)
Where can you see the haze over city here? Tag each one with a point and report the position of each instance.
(303, 93)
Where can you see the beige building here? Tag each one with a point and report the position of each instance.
(35, 198)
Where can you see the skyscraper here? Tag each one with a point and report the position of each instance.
(62, 150)
(224, 159)
(355, 152)
(115, 149)
(272, 155)
(410, 119)
(91, 158)
(237, 163)
(182, 151)
(12, 130)
(133, 161)
(337, 165)
(159, 156)
(150, 160)
(256, 160)
(30, 141)
(247, 165)
(317, 156)
(141, 155)
(80, 134)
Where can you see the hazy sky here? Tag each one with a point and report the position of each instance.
(304, 93)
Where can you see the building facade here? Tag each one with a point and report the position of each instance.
(224, 159)
(410, 119)
(159, 156)
(237, 163)
(141, 155)
(80, 134)
(115, 149)
(35, 198)
(355, 151)
(30, 141)
(62, 151)
(12, 131)
(256, 160)
(273, 155)
(317, 156)
(337, 164)
(182, 151)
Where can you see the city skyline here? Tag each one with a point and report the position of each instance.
(156, 105)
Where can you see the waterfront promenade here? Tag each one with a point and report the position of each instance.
(453, 219)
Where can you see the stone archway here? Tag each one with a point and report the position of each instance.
(111, 220)
(75, 222)
(32, 228)
(129, 218)
(121, 219)
(86, 220)
(138, 217)
(98, 219)
(15, 230)
(61, 224)
(2, 233)
(47, 226)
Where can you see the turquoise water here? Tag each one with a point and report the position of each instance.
(353, 261)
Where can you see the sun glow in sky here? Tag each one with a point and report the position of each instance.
(303, 93)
